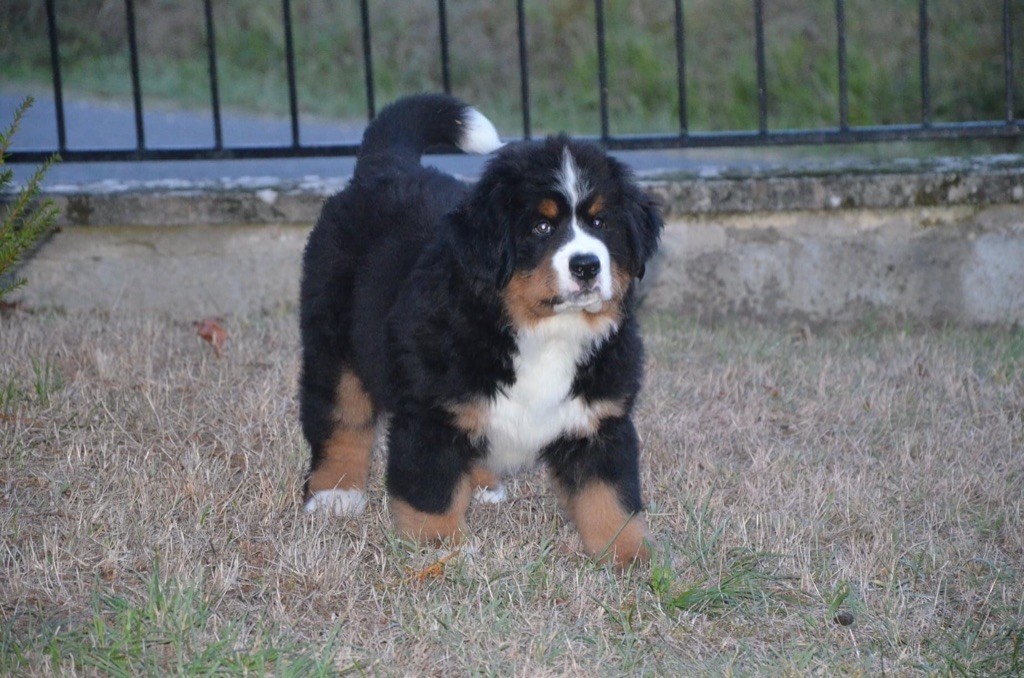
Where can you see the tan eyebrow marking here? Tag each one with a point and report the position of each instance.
(548, 208)
(596, 206)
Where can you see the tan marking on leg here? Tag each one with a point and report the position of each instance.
(548, 208)
(435, 528)
(487, 486)
(353, 407)
(482, 477)
(471, 417)
(528, 296)
(345, 463)
(609, 532)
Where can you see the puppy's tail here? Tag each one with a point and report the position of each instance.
(413, 124)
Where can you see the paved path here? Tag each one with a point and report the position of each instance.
(92, 123)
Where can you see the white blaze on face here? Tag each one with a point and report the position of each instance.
(575, 189)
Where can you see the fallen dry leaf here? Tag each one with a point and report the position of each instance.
(212, 331)
(433, 571)
(20, 420)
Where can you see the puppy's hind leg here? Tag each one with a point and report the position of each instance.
(341, 454)
(487, 487)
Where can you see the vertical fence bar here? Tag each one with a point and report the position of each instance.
(524, 69)
(762, 79)
(364, 17)
(289, 59)
(926, 85)
(684, 124)
(602, 68)
(1008, 59)
(133, 55)
(844, 100)
(58, 88)
(442, 19)
(211, 63)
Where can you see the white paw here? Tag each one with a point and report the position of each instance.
(490, 495)
(338, 502)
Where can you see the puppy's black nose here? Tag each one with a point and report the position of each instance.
(584, 267)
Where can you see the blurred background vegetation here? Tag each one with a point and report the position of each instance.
(884, 87)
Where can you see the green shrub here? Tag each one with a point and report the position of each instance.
(24, 220)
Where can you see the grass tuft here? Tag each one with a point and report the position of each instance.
(46, 380)
(165, 631)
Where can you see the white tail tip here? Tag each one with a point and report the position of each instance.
(479, 135)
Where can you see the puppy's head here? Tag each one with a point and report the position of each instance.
(559, 227)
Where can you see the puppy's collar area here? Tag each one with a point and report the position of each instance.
(572, 329)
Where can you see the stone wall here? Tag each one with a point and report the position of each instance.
(937, 241)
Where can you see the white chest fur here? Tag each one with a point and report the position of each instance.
(538, 407)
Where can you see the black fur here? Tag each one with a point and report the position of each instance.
(403, 280)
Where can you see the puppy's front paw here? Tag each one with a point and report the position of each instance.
(336, 502)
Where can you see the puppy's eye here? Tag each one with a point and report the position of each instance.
(597, 222)
(543, 227)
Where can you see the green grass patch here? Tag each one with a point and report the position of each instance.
(46, 380)
(169, 629)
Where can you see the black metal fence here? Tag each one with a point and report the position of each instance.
(1009, 127)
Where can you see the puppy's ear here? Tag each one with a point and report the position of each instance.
(482, 233)
(643, 215)
(645, 227)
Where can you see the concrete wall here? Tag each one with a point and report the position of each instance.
(935, 241)
(959, 264)
(187, 271)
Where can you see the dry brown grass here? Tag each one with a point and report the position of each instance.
(150, 522)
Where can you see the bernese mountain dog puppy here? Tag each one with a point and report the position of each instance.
(493, 325)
